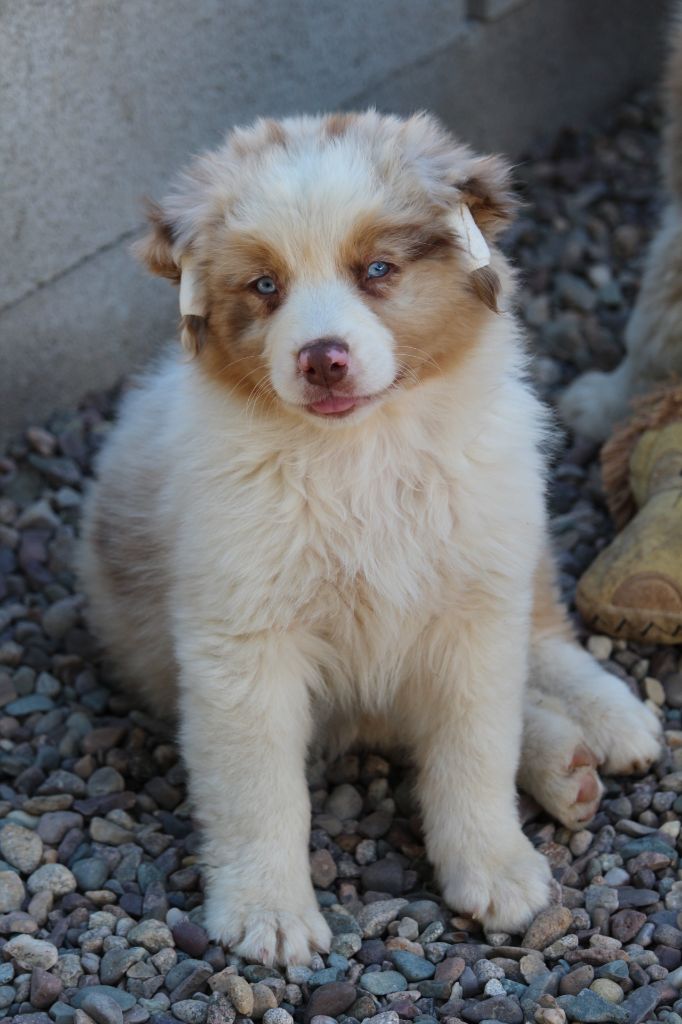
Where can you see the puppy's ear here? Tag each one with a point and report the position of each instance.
(485, 185)
(475, 191)
(485, 205)
(155, 249)
(160, 251)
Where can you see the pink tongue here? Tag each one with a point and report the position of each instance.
(335, 403)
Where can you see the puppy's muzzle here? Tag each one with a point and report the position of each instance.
(324, 362)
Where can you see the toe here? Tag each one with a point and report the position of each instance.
(588, 789)
(583, 757)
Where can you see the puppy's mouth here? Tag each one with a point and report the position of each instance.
(339, 405)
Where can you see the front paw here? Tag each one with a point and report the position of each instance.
(503, 888)
(264, 927)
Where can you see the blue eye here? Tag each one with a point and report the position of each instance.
(378, 269)
(265, 286)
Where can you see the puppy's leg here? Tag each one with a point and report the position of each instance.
(557, 767)
(621, 732)
(245, 726)
(467, 717)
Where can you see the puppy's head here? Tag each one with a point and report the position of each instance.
(325, 263)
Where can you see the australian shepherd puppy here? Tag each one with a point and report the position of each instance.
(324, 523)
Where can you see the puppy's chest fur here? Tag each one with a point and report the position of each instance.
(376, 540)
(360, 545)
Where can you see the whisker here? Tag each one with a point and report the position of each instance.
(425, 357)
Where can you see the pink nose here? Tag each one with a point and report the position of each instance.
(324, 362)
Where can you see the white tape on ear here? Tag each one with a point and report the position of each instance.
(475, 245)
(191, 303)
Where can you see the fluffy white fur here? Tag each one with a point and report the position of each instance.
(290, 580)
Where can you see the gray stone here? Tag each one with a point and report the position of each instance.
(325, 976)
(8, 996)
(380, 983)
(387, 1017)
(153, 935)
(116, 962)
(346, 944)
(54, 877)
(124, 999)
(108, 832)
(220, 1010)
(502, 1008)
(672, 685)
(341, 924)
(424, 912)
(102, 1008)
(104, 781)
(62, 781)
(576, 292)
(12, 891)
(374, 917)
(385, 875)
(602, 896)
(21, 847)
(192, 983)
(47, 685)
(61, 616)
(190, 1011)
(181, 969)
(54, 825)
(29, 952)
(61, 1013)
(28, 705)
(645, 844)
(617, 970)
(90, 873)
(277, 1015)
(68, 969)
(414, 968)
(588, 1007)
(344, 802)
(641, 1003)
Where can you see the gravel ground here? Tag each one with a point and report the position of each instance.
(100, 891)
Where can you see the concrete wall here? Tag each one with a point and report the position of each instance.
(102, 100)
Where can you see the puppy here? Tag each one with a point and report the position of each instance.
(328, 524)
(596, 401)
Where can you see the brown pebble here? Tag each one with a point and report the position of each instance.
(548, 926)
(330, 1000)
(45, 988)
(263, 999)
(576, 980)
(241, 994)
(323, 869)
